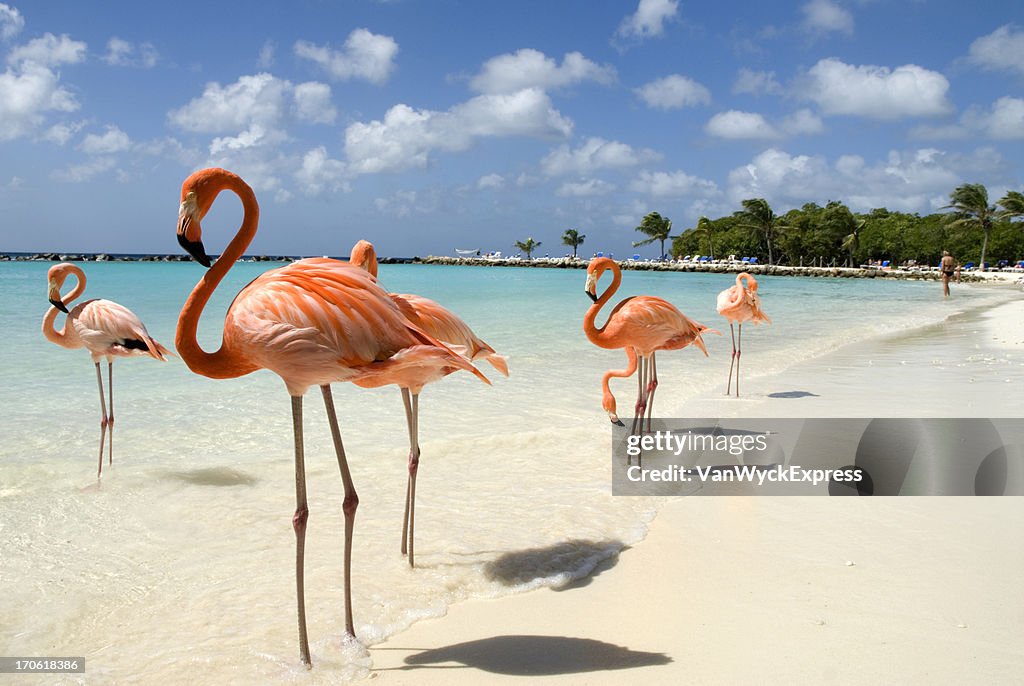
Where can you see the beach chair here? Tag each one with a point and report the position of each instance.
(885, 264)
(753, 260)
(969, 266)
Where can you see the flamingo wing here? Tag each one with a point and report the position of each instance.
(445, 325)
(107, 328)
(318, 321)
(656, 324)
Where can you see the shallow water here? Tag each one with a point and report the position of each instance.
(181, 564)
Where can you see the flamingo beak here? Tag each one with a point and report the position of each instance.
(194, 248)
(592, 296)
(617, 422)
(54, 296)
(591, 287)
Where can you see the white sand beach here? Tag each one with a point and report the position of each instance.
(785, 590)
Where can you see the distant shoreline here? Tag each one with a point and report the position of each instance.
(721, 267)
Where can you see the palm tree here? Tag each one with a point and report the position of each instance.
(852, 241)
(705, 228)
(969, 203)
(657, 228)
(528, 246)
(758, 216)
(573, 239)
(1012, 204)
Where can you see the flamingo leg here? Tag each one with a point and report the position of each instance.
(739, 353)
(732, 333)
(110, 417)
(652, 385)
(103, 418)
(641, 399)
(412, 418)
(299, 524)
(348, 506)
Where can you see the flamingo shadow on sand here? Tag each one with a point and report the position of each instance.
(526, 655)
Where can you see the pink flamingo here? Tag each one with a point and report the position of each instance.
(642, 325)
(105, 329)
(444, 325)
(740, 304)
(313, 322)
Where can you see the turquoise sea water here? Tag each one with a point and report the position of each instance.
(183, 558)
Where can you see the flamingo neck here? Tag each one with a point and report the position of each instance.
(61, 337)
(226, 362)
(590, 319)
(607, 398)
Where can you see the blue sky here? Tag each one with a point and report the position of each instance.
(425, 126)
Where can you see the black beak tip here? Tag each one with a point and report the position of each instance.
(618, 422)
(591, 295)
(59, 305)
(195, 249)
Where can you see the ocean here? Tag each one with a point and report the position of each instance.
(179, 565)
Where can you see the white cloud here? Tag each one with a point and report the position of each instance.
(529, 68)
(48, 51)
(313, 103)
(648, 20)
(78, 173)
(911, 181)
(826, 16)
(1001, 49)
(490, 181)
(673, 92)
(257, 99)
(594, 154)
(62, 133)
(121, 53)
(1005, 121)
(404, 203)
(319, 173)
(876, 92)
(673, 184)
(736, 125)
(11, 22)
(111, 141)
(756, 83)
(266, 57)
(802, 123)
(405, 137)
(584, 189)
(366, 56)
(26, 95)
(255, 110)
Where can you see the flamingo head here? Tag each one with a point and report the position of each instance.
(596, 268)
(197, 195)
(608, 403)
(364, 256)
(54, 280)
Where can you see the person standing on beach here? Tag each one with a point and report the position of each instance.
(949, 266)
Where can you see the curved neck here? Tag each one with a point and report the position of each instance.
(590, 319)
(225, 362)
(49, 330)
(608, 399)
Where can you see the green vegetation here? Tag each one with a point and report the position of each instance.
(574, 239)
(657, 228)
(973, 231)
(528, 246)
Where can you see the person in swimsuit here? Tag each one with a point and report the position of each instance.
(949, 267)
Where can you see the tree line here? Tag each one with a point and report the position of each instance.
(973, 230)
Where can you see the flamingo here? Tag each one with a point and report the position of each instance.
(105, 329)
(740, 303)
(444, 325)
(313, 322)
(642, 325)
